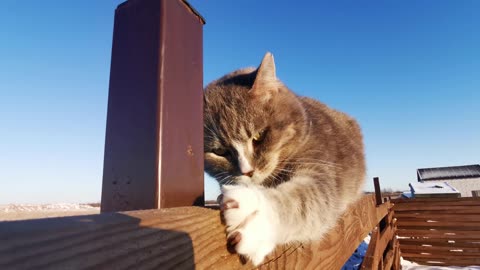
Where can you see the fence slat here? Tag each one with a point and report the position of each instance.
(437, 217)
(457, 243)
(440, 231)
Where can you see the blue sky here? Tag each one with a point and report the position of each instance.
(408, 71)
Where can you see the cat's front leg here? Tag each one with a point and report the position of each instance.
(250, 220)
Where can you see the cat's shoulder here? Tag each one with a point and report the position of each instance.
(318, 110)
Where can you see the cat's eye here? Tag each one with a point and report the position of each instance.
(258, 137)
(220, 151)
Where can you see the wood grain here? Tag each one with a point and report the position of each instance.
(440, 231)
(175, 238)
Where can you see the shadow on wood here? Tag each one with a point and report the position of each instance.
(175, 238)
(106, 241)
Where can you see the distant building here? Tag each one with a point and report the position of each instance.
(432, 190)
(465, 179)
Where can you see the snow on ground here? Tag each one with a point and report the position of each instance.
(32, 211)
(44, 207)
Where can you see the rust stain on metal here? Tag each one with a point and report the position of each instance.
(190, 151)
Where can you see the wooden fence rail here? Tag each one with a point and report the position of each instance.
(439, 231)
(176, 238)
(383, 250)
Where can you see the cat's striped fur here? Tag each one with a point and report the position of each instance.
(288, 165)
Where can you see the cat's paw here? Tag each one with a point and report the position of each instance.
(248, 217)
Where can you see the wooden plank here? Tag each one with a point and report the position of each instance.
(440, 256)
(179, 238)
(440, 234)
(427, 207)
(440, 262)
(435, 200)
(439, 211)
(377, 246)
(440, 242)
(473, 226)
(153, 146)
(388, 260)
(370, 261)
(397, 265)
(385, 237)
(437, 217)
(427, 248)
(447, 203)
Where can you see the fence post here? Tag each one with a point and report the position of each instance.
(154, 136)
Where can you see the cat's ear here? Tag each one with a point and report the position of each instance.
(266, 83)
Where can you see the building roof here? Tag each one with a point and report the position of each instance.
(432, 188)
(453, 172)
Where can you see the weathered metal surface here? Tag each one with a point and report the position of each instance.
(154, 137)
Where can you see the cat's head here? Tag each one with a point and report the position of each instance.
(252, 123)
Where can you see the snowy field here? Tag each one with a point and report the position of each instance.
(31, 211)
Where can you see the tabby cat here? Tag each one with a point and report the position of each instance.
(288, 166)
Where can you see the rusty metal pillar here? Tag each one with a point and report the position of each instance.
(154, 136)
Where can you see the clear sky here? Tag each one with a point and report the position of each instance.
(408, 71)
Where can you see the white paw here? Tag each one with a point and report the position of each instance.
(249, 220)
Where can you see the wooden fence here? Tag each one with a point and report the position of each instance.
(439, 231)
(384, 249)
(175, 238)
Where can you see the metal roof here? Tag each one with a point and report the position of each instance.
(453, 172)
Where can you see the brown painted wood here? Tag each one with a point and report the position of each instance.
(441, 256)
(378, 191)
(468, 201)
(453, 250)
(397, 255)
(437, 217)
(438, 200)
(388, 261)
(454, 219)
(154, 143)
(443, 225)
(470, 211)
(178, 238)
(381, 243)
(430, 207)
(370, 261)
(439, 234)
(443, 262)
(458, 243)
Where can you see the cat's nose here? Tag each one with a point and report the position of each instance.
(249, 174)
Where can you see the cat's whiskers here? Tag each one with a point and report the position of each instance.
(315, 161)
(220, 174)
(225, 180)
(276, 178)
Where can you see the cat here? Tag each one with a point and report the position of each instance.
(288, 166)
